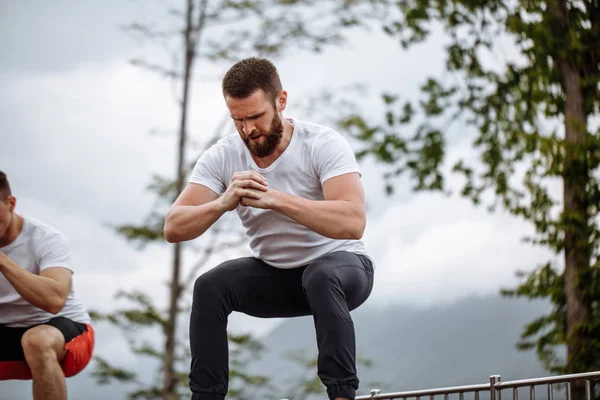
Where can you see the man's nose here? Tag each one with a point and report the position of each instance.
(248, 127)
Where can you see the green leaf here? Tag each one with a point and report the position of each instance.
(532, 126)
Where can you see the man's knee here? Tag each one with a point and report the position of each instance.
(212, 285)
(319, 276)
(42, 344)
(207, 284)
(321, 286)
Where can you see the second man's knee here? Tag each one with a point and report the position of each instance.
(39, 346)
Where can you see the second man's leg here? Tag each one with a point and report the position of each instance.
(44, 348)
(247, 285)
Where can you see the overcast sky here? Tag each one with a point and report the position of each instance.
(75, 144)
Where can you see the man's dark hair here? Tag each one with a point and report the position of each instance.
(248, 75)
(4, 187)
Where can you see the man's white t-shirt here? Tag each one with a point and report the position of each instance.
(315, 154)
(36, 248)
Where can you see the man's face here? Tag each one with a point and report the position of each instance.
(6, 214)
(258, 122)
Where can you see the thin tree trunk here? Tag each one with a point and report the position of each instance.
(575, 178)
(577, 250)
(577, 229)
(170, 381)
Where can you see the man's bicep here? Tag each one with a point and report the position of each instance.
(195, 194)
(346, 187)
(62, 275)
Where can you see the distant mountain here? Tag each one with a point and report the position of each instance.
(455, 344)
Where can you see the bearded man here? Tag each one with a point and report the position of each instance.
(296, 187)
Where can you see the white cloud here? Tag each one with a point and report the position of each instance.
(84, 141)
(434, 250)
(81, 156)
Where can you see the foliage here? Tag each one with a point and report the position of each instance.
(537, 147)
(139, 316)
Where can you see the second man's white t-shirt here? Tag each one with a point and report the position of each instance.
(315, 154)
(37, 247)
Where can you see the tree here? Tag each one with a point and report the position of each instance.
(140, 315)
(238, 28)
(534, 114)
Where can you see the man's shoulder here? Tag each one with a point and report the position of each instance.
(228, 142)
(313, 133)
(318, 136)
(40, 231)
(224, 147)
(313, 129)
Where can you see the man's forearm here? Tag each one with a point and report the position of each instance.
(336, 219)
(39, 291)
(188, 222)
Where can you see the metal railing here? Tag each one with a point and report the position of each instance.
(494, 388)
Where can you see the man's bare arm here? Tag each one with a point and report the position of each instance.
(48, 290)
(342, 215)
(194, 211)
(197, 208)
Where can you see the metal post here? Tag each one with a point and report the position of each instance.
(494, 393)
(532, 392)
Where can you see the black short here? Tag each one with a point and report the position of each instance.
(10, 338)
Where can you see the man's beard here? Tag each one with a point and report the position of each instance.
(271, 140)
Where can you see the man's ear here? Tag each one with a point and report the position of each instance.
(281, 101)
(12, 202)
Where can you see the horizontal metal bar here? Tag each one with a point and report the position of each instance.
(549, 379)
(428, 392)
(588, 376)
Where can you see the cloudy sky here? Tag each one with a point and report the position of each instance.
(75, 144)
